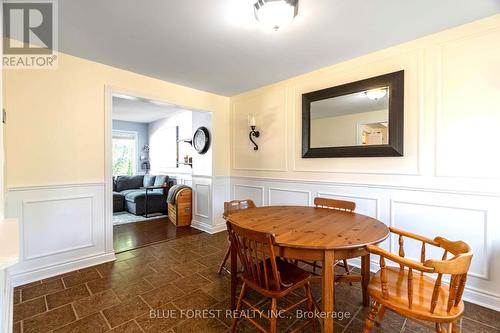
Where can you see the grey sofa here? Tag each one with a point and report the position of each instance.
(128, 195)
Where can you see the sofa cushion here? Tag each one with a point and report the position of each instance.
(129, 182)
(126, 192)
(135, 196)
(161, 180)
(149, 180)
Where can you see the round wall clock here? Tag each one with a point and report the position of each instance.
(201, 140)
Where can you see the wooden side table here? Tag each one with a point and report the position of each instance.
(149, 188)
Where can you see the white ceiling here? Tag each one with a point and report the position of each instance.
(218, 46)
(141, 110)
(347, 104)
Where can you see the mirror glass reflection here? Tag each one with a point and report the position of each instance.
(356, 119)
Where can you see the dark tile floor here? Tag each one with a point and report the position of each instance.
(169, 280)
(133, 235)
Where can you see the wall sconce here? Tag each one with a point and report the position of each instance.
(253, 132)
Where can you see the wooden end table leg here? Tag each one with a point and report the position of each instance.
(234, 276)
(328, 297)
(365, 278)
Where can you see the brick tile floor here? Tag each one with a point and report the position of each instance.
(165, 279)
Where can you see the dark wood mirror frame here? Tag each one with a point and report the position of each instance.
(395, 82)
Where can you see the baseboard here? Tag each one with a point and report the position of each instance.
(481, 298)
(211, 229)
(219, 228)
(21, 278)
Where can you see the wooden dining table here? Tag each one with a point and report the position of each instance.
(311, 233)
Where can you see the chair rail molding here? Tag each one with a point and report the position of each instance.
(371, 185)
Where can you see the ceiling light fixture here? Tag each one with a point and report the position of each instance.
(275, 13)
(376, 94)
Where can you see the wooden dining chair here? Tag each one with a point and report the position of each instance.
(231, 207)
(420, 295)
(346, 206)
(269, 276)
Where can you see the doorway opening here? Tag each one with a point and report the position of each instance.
(149, 152)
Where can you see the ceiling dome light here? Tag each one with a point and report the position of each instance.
(376, 94)
(275, 13)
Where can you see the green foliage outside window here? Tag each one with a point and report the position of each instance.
(123, 157)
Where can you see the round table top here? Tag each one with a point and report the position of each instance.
(312, 227)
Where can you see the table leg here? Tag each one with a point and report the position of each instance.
(234, 276)
(365, 278)
(328, 296)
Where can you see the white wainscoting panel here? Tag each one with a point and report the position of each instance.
(471, 217)
(221, 193)
(202, 200)
(209, 194)
(202, 196)
(284, 196)
(42, 217)
(454, 223)
(255, 193)
(62, 228)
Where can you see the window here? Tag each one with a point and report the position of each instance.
(124, 153)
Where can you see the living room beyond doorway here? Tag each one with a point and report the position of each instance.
(152, 158)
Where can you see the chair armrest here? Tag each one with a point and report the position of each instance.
(399, 260)
(414, 236)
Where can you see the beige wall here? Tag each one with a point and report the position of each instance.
(55, 131)
(452, 112)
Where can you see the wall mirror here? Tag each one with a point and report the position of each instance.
(357, 119)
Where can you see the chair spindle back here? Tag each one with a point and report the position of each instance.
(456, 266)
(235, 205)
(256, 252)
